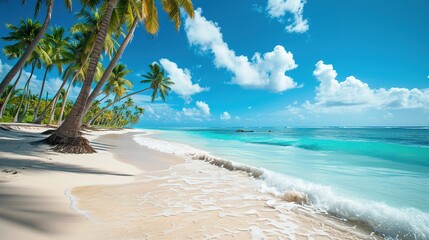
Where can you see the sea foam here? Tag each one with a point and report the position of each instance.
(392, 223)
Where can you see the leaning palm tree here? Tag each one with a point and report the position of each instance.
(30, 48)
(21, 36)
(129, 13)
(159, 84)
(67, 137)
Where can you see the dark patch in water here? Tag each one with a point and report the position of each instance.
(254, 172)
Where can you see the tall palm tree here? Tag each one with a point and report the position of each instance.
(129, 12)
(30, 48)
(159, 84)
(67, 138)
(22, 36)
(55, 44)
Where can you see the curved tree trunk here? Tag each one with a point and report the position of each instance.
(89, 122)
(3, 107)
(27, 105)
(14, 70)
(51, 118)
(40, 94)
(112, 64)
(67, 138)
(24, 93)
(63, 107)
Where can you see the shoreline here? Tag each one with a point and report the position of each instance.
(162, 185)
(169, 196)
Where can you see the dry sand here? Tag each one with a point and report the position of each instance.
(146, 195)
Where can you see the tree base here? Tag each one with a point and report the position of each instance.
(77, 145)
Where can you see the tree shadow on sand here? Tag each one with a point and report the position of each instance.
(30, 211)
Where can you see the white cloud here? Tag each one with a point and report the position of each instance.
(353, 93)
(182, 79)
(225, 116)
(204, 107)
(263, 71)
(201, 110)
(278, 9)
(51, 85)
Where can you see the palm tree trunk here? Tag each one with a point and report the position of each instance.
(40, 94)
(15, 118)
(67, 136)
(51, 118)
(89, 122)
(14, 70)
(27, 104)
(112, 64)
(24, 93)
(63, 107)
(3, 107)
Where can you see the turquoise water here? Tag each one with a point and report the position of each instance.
(386, 168)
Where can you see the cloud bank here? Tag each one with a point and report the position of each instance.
(354, 93)
(263, 71)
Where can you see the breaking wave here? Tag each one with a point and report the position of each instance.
(388, 221)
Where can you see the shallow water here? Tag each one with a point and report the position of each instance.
(376, 175)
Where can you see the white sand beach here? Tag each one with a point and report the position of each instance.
(127, 191)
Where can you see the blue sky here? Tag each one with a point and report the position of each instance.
(279, 63)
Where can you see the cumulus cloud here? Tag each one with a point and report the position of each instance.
(262, 71)
(182, 79)
(225, 116)
(278, 9)
(356, 94)
(201, 110)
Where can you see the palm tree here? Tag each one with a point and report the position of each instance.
(91, 22)
(67, 138)
(55, 44)
(158, 83)
(117, 83)
(130, 14)
(30, 48)
(22, 36)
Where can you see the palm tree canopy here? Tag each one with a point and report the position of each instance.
(158, 82)
(22, 35)
(147, 12)
(91, 22)
(55, 45)
(39, 3)
(117, 82)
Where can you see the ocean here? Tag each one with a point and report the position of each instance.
(376, 176)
